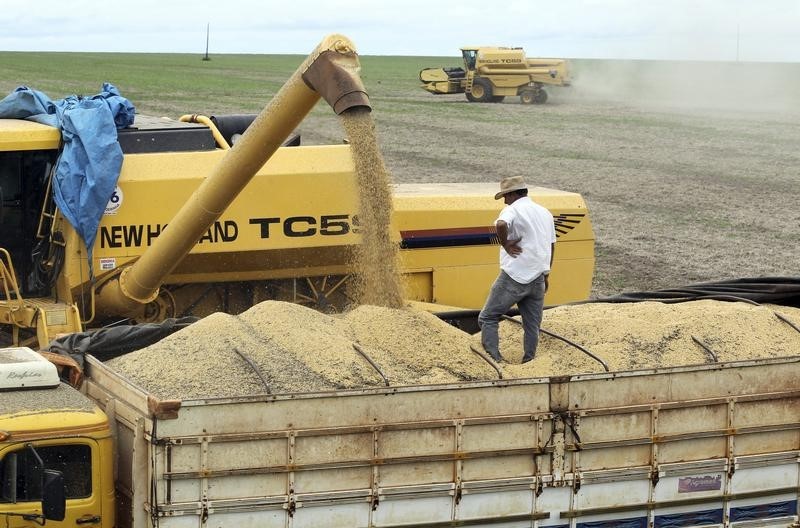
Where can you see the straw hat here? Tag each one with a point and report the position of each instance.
(510, 184)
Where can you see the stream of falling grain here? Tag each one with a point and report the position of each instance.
(377, 276)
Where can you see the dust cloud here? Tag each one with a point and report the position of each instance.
(735, 86)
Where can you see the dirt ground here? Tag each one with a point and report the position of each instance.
(690, 180)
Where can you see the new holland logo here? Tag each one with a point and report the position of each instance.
(474, 236)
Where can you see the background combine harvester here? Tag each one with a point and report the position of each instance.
(490, 74)
(701, 445)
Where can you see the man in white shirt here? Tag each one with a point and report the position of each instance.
(527, 234)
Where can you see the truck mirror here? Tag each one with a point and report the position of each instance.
(54, 498)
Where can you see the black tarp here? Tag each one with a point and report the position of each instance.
(108, 343)
(764, 290)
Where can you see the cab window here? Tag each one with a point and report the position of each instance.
(469, 58)
(21, 474)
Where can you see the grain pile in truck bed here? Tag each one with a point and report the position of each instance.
(298, 349)
(651, 334)
(416, 345)
(201, 360)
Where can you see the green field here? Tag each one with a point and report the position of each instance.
(690, 170)
(175, 83)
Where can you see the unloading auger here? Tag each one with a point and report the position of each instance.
(329, 72)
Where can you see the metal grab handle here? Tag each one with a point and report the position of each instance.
(88, 519)
(707, 349)
(564, 339)
(255, 369)
(488, 360)
(371, 362)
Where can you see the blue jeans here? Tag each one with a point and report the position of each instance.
(505, 293)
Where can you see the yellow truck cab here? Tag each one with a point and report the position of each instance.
(55, 448)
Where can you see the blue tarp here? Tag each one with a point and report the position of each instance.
(91, 158)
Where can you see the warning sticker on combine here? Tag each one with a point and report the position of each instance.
(108, 263)
(114, 203)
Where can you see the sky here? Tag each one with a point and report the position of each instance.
(715, 30)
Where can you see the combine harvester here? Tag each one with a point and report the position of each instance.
(288, 236)
(704, 445)
(491, 74)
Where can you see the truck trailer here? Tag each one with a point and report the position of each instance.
(704, 445)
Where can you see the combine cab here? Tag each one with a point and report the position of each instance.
(492, 74)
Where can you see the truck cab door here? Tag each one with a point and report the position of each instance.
(21, 482)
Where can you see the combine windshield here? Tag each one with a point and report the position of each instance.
(469, 58)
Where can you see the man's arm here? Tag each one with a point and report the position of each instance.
(547, 276)
(511, 246)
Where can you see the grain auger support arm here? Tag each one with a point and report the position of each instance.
(329, 72)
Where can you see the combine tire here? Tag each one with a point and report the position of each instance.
(533, 96)
(527, 96)
(481, 91)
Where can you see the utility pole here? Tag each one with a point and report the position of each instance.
(208, 27)
(737, 42)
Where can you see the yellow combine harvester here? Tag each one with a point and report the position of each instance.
(249, 221)
(491, 74)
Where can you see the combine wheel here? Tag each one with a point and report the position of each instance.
(527, 96)
(481, 91)
(533, 96)
(328, 294)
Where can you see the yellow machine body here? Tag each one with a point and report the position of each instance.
(492, 73)
(290, 235)
(298, 218)
(250, 218)
(452, 258)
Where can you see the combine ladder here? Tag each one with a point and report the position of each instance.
(46, 317)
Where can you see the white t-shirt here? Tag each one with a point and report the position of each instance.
(534, 226)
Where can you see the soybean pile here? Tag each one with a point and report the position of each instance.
(279, 347)
(651, 334)
(297, 349)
